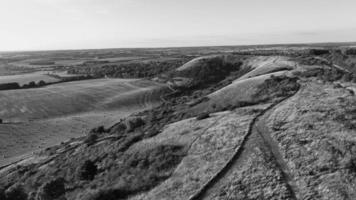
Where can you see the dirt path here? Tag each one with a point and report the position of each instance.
(258, 135)
(261, 129)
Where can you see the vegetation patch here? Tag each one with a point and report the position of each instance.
(139, 171)
(208, 70)
(51, 190)
(319, 52)
(110, 169)
(9, 86)
(276, 87)
(203, 116)
(91, 138)
(87, 170)
(129, 69)
(350, 52)
(15, 192)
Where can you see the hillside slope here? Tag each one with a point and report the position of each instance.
(34, 119)
(268, 127)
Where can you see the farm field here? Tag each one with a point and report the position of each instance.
(34, 119)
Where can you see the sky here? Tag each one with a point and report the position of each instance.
(88, 24)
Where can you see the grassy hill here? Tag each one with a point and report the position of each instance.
(258, 124)
(37, 118)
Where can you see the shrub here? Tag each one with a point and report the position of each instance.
(106, 194)
(209, 70)
(32, 84)
(152, 131)
(137, 171)
(51, 190)
(319, 52)
(133, 122)
(147, 168)
(198, 101)
(9, 86)
(2, 193)
(15, 192)
(276, 86)
(118, 128)
(129, 140)
(309, 73)
(347, 77)
(87, 170)
(203, 116)
(91, 138)
(129, 70)
(331, 75)
(350, 52)
(41, 83)
(245, 103)
(100, 129)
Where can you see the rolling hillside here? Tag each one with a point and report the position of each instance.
(37, 118)
(243, 126)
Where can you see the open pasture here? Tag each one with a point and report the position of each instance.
(68, 99)
(37, 118)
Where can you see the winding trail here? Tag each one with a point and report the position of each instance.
(272, 146)
(257, 131)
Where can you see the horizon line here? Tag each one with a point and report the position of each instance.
(198, 46)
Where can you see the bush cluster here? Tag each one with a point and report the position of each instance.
(130, 69)
(91, 138)
(209, 70)
(203, 115)
(51, 190)
(319, 52)
(350, 52)
(133, 122)
(9, 86)
(87, 170)
(139, 171)
(276, 86)
(15, 192)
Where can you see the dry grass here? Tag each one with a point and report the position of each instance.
(319, 149)
(212, 141)
(236, 92)
(69, 98)
(50, 115)
(257, 177)
(267, 64)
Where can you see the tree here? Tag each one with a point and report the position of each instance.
(15, 192)
(41, 83)
(32, 84)
(51, 190)
(87, 171)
